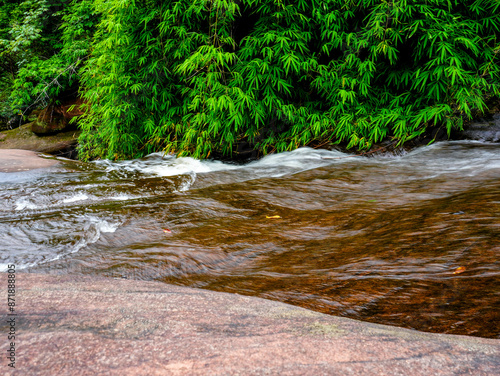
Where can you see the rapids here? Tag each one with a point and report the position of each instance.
(411, 240)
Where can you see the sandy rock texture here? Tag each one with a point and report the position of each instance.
(80, 325)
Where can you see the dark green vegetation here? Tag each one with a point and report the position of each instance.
(205, 77)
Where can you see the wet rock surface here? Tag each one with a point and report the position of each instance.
(486, 130)
(77, 325)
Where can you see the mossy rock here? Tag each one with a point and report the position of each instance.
(24, 138)
(57, 117)
(41, 127)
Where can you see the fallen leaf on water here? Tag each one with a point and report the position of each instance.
(459, 270)
(272, 217)
(167, 230)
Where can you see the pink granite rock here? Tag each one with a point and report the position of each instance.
(14, 160)
(76, 325)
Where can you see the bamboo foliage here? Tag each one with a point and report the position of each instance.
(204, 76)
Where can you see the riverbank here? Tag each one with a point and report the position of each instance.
(64, 144)
(71, 325)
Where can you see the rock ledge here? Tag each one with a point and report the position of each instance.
(78, 325)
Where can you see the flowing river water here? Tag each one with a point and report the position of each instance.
(411, 240)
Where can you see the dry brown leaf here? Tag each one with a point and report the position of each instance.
(459, 270)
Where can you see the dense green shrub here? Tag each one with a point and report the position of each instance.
(200, 77)
(42, 45)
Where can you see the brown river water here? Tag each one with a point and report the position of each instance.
(411, 241)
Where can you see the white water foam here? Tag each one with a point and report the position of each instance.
(464, 158)
(28, 204)
(4, 267)
(165, 165)
(105, 226)
(187, 183)
(273, 165)
(23, 203)
(123, 197)
(75, 198)
(93, 227)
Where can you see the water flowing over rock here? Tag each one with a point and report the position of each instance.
(484, 130)
(408, 240)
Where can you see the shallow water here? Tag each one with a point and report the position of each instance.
(377, 239)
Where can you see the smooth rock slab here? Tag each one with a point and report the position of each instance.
(77, 325)
(13, 160)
